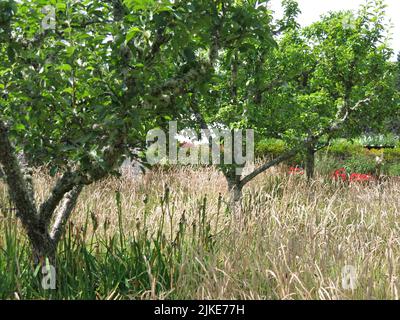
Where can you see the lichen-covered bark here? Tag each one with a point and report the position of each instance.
(20, 194)
(15, 180)
(43, 243)
(60, 203)
(64, 212)
(67, 182)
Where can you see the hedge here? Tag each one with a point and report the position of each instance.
(341, 153)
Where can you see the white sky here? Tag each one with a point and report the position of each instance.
(313, 9)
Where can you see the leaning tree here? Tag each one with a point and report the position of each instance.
(337, 78)
(234, 96)
(303, 85)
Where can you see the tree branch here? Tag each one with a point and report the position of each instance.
(178, 84)
(18, 189)
(64, 212)
(160, 40)
(64, 185)
(268, 88)
(286, 156)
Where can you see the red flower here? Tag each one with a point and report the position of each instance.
(296, 170)
(340, 174)
(359, 177)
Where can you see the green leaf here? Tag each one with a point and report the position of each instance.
(19, 127)
(139, 4)
(68, 90)
(70, 51)
(65, 67)
(53, 171)
(132, 33)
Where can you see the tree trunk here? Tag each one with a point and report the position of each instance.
(42, 246)
(61, 201)
(310, 162)
(43, 250)
(235, 192)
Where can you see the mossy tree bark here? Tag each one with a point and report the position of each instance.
(36, 221)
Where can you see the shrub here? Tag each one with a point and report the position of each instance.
(326, 164)
(394, 170)
(271, 148)
(361, 164)
(343, 148)
(375, 152)
(392, 155)
(355, 158)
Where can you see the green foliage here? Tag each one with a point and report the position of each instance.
(7, 10)
(392, 169)
(360, 164)
(353, 156)
(342, 148)
(271, 148)
(97, 83)
(392, 155)
(330, 66)
(356, 163)
(102, 81)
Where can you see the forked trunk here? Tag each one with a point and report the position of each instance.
(42, 246)
(42, 253)
(36, 221)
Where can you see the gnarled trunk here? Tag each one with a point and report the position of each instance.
(43, 249)
(37, 222)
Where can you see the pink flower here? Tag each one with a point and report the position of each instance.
(187, 145)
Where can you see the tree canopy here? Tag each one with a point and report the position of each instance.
(82, 82)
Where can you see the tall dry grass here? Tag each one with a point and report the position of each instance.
(289, 240)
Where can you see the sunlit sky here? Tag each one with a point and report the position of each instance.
(313, 9)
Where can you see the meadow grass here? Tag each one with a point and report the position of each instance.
(171, 235)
